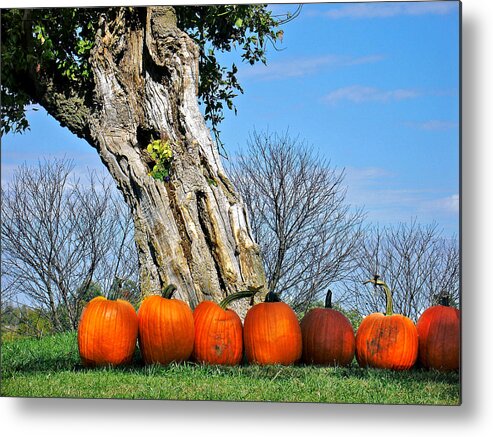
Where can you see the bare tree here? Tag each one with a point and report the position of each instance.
(307, 233)
(8, 289)
(59, 236)
(415, 260)
(118, 270)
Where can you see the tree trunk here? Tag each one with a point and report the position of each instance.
(192, 231)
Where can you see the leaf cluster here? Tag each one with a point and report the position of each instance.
(39, 43)
(57, 43)
(162, 155)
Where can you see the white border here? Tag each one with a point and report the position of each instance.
(61, 417)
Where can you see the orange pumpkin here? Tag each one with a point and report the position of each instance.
(439, 337)
(107, 332)
(328, 336)
(218, 332)
(272, 333)
(166, 329)
(387, 341)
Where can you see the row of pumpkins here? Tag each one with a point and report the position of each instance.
(168, 331)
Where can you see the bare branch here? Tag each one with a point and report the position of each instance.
(415, 260)
(296, 201)
(63, 240)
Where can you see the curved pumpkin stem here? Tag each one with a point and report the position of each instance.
(272, 297)
(444, 299)
(328, 299)
(168, 291)
(388, 294)
(235, 296)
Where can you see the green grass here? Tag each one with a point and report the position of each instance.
(50, 367)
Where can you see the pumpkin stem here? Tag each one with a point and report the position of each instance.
(239, 295)
(115, 289)
(328, 299)
(388, 294)
(272, 297)
(444, 299)
(168, 291)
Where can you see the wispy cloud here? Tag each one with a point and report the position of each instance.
(305, 66)
(399, 204)
(433, 125)
(378, 191)
(386, 10)
(371, 187)
(448, 204)
(366, 175)
(83, 163)
(7, 173)
(360, 94)
(387, 203)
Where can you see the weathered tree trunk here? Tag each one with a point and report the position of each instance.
(192, 231)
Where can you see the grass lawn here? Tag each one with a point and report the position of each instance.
(50, 367)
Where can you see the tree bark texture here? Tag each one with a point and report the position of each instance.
(192, 231)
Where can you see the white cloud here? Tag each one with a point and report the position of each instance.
(7, 171)
(433, 125)
(385, 10)
(359, 94)
(388, 199)
(305, 66)
(448, 204)
(365, 175)
(370, 186)
(376, 189)
(83, 163)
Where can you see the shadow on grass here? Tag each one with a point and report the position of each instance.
(59, 353)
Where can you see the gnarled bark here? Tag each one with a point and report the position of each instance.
(192, 231)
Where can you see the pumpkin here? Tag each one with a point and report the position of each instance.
(218, 332)
(387, 341)
(166, 329)
(107, 332)
(328, 336)
(439, 337)
(272, 334)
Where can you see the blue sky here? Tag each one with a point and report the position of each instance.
(373, 87)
